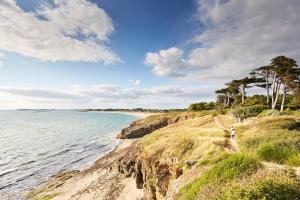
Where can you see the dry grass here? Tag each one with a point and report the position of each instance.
(192, 139)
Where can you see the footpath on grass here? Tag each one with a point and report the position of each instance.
(234, 147)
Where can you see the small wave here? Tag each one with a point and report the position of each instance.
(7, 186)
(76, 161)
(59, 153)
(94, 146)
(3, 164)
(26, 163)
(79, 151)
(72, 163)
(25, 177)
(43, 153)
(73, 145)
(5, 172)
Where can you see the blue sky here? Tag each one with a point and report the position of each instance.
(148, 28)
(135, 53)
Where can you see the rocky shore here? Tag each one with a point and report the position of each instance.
(108, 178)
(124, 173)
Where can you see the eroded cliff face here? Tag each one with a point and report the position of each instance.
(150, 175)
(153, 175)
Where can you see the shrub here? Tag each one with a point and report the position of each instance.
(202, 106)
(287, 111)
(236, 165)
(270, 112)
(248, 111)
(255, 100)
(274, 152)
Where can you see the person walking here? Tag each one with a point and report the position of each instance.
(233, 133)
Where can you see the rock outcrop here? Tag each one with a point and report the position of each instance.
(137, 130)
(152, 175)
(146, 126)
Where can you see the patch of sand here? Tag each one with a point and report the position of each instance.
(100, 181)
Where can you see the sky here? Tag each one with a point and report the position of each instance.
(75, 54)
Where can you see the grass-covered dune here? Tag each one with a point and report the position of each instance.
(263, 163)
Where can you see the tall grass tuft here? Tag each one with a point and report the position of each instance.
(236, 165)
(275, 153)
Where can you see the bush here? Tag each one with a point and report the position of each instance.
(269, 112)
(248, 111)
(276, 153)
(270, 188)
(236, 165)
(202, 106)
(255, 100)
(287, 111)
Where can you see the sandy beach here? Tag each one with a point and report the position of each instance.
(100, 181)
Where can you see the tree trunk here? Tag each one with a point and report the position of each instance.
(273, 89)
(277, 91)
(228, 100)
(283, 99)
(268, 90)
(243, 94)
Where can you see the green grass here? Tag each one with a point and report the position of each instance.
(214, 160)
(236, 165)
(275, 153)
(268, 188)
(294, 160)
(275, 139)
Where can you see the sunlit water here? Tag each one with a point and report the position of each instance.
(37, 144)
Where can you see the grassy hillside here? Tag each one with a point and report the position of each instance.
(263, 166)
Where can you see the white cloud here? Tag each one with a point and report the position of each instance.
(103, 96)
(167, 62)
(68, 30)
(236, 36)
(2, 56)
(135, 82)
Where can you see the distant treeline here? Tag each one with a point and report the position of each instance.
(134, 110)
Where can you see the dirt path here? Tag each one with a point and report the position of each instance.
(234, 147)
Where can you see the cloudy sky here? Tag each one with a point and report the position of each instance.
(136, 53)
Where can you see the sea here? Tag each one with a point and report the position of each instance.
(37, 144)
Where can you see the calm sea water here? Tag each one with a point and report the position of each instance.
(37, 144)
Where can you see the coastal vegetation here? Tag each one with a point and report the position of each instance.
(280, 80)
(189, 154)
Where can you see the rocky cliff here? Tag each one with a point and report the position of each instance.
(151, 174)
(146, 126)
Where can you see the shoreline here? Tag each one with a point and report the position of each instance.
(101, 180)
(140, 115)
(110, 183)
